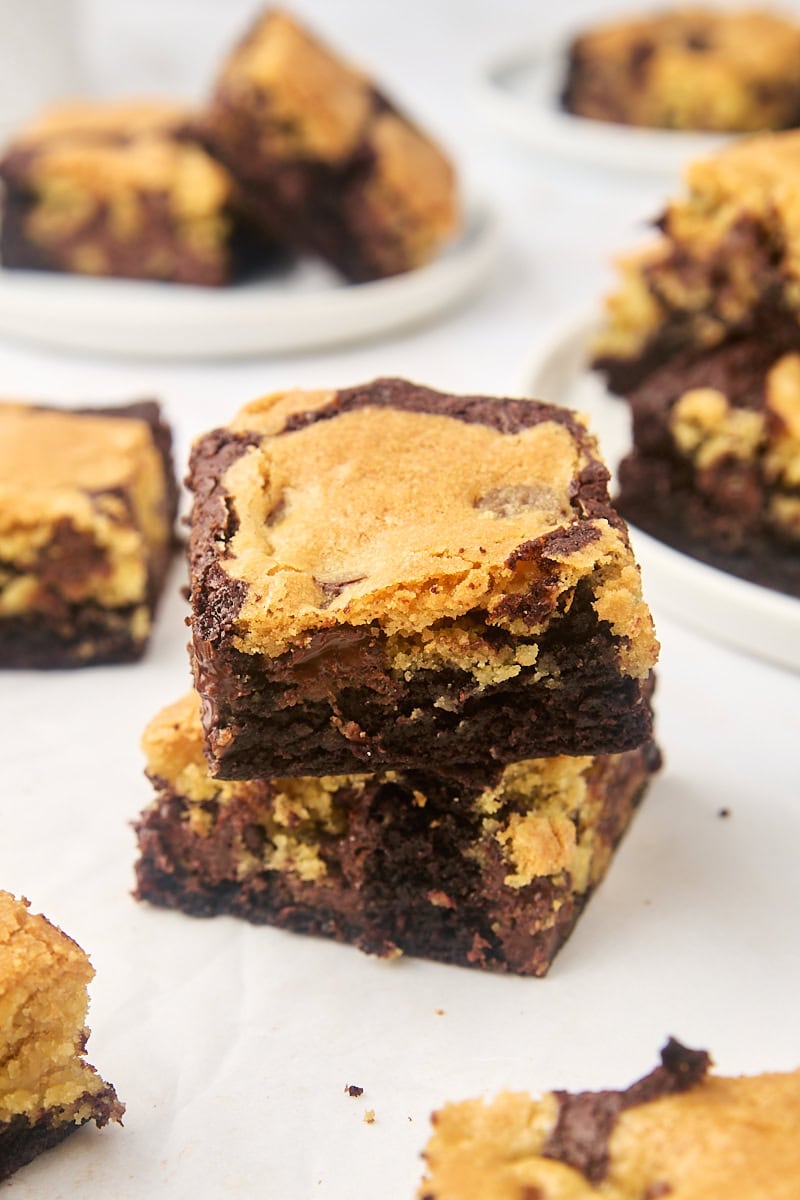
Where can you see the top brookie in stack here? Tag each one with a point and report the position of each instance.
(703, 338)
(423, 663)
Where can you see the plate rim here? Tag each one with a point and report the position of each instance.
(777, 612)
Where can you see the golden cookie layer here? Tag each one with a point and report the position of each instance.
(103, 147)
(406, 519)
(43, 1002)
(101, 476)
(724, 1137)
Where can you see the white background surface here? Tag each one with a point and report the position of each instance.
(232, 1045)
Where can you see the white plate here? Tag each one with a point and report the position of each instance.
(520, 94)
(308, 307)
(752, 618)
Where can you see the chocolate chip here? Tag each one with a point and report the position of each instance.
(332, 588)
(698, 42)
(277, 512)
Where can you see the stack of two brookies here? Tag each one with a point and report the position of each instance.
(423, 666)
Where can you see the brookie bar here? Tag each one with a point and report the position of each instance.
(87, 506)
(489, 868)
(121, 189)
(725, 266)
(323, 160)
(387, 576)
(690, 68)
(715, 464)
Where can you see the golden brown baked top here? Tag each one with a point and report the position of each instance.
(43, 1002)
(733, 1137)
(379, 513)
(693, 68)
(313, 105)
(104, 478)
(318, 104)
(47, 449)
(105, 147)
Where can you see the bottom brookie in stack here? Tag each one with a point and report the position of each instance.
(424, 664)
(488, 869)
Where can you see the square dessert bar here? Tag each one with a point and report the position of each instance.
(489, 868)
(323, 159)
(87, 506)
(678, 1132)
(689, 68)
(387, 576)
(725, 266)
(47, 1089)
(118, 189)
(715, 464)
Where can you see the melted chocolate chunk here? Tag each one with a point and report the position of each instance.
(586, 1120)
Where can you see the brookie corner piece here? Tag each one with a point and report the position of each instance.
(387, 576)
(323, 160)
(689, 68)
(678, 1132)
(723, 269)
(87, 508)
(488, 869)
(47, 1089)
(121, 189)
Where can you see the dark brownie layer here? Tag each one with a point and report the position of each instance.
(719, 513)
(21, 1141)
(313, 206)
(69, 636)
(304, 713)
(769, 321)
(409, 868)
(331, 703)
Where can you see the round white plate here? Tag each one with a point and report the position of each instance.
(742, 614)
(307, 307)
(520, 94)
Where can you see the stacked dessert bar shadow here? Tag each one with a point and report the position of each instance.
(422, 664)
(702, 337)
